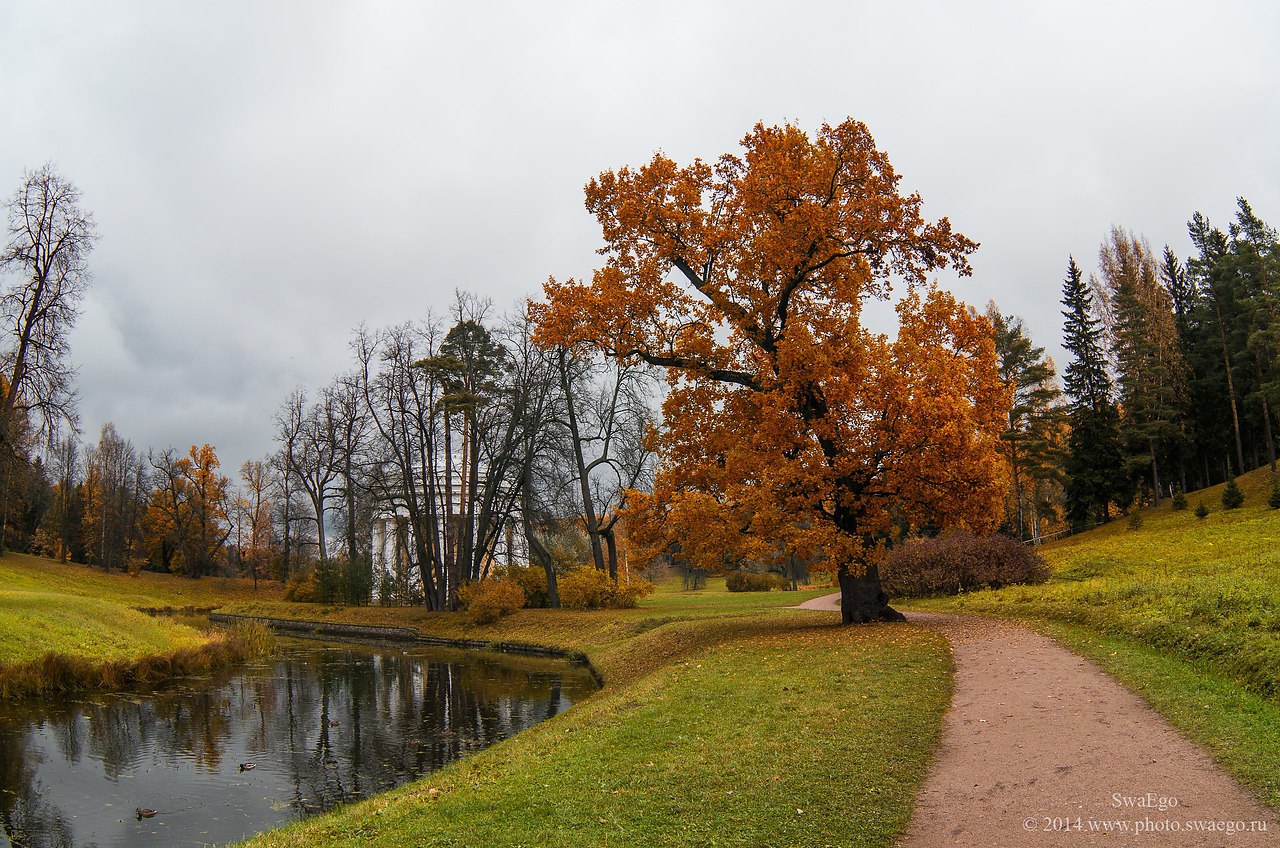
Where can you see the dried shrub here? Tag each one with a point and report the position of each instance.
(753, 581)
(586, 587)
(533, 581)
(960, 562)
(302, 588)
(486, 601)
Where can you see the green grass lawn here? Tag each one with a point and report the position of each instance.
(618, 642)
(85, 614)
(787, 730)
(1184, 611)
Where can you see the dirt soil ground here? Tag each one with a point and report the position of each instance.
(1043, 748)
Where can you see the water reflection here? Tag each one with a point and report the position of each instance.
(319, 726)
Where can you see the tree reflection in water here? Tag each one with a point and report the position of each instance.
(323, 725)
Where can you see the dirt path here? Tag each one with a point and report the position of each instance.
(825, 602)
(1043, 748)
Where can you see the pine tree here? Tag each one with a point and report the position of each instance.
(1095, 458)
(1033, 439)
(1254, 263)
(1215, 314)
(1182, 295)
(1232, 497)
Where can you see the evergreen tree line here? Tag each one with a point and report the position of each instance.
(1172, 383)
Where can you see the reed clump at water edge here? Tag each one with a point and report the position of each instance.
(55, 672)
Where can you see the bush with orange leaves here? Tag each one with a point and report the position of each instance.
(587, 587)
(486, 601)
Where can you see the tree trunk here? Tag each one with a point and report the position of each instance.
(584, 481)
(1155, 472)
(862, 598)
(611, 549)
(349, 485)
(1017, 483)
(1231, 391)
(538, 554)
(1266, 416)
(4, 496)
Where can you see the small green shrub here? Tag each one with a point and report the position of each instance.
(1232, 497)
(1179, 501)
(1201, 510)
(960, 562)
(1274, 500)
(1135, 520)
(752, 581)
(486, 601)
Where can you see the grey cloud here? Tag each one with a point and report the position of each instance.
(267, 175)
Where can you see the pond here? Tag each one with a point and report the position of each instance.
(316, 726)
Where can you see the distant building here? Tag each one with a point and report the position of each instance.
(393, 545)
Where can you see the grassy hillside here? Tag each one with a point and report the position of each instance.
(91, 621)
(1185, 611)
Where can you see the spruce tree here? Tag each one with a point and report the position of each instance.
(1182, 295)
(1254, 263)
(1215, 396)
(1095, 458)
(1232, 497)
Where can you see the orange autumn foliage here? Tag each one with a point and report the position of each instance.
(790, 428)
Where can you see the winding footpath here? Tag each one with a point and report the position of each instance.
(1042, 748)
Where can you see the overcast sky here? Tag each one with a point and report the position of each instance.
(266, 175)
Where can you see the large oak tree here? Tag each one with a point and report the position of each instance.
(790, 427)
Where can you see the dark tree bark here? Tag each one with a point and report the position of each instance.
(863, 599)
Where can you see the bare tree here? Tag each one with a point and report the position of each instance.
(289, 434)
(50, 238)
(348, 429)
(402, 403)
(606, 413)
(115, 491)
(256, 476)
(65, 452)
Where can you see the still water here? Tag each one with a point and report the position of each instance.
(316, 726)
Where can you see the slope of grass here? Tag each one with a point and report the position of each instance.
(66, 626)
(615, 640)
(1205, 591)
(787, 730)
